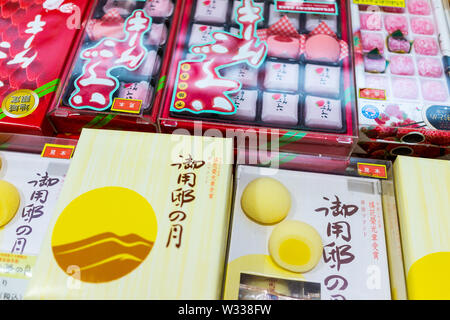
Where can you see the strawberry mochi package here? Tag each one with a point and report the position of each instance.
(37, 42)
(283, 68)
(118, 73)
(403, 90)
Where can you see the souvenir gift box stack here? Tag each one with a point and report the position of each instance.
(402, 56)
(269, 67)
(38, 41)
(118, 74)
(29, 186)
(315, 231)
(152, 227)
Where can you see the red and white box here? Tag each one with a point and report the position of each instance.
(118, 75)
(38, 41)
(273, 78)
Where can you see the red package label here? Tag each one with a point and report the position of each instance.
(372, 170)
(57, 151)
(126, 105)
(307, 7)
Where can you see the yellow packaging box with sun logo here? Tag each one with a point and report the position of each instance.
(141, 216)
(423, 201)
(306, 236)
(29, 189)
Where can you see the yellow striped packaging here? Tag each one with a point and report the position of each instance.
(141, 216)
(423, 200)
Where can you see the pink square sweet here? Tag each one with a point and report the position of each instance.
(401, 65)
(370, 21)
(372, 40)
(323, 113)
(245, 102)
(405, 88)
(211, 11)
(433, 90)
(136, 91)
(429, 67)
(280, 108)
(421, 25)
(376, 82)
(281, 76)
(421, 7)
(243, 73)
(426, 46)
(393, 23)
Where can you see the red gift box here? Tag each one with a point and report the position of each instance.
(198, 111)
(38, 41)
(117, 112)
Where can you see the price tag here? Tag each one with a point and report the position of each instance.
(372, 170)
(56, 151)
(127, 105)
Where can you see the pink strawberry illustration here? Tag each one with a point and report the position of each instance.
(320, 103)
(276, 96)
(382, 119)
(319, 70)
(203, 28)
(277, 66)
(207, 2)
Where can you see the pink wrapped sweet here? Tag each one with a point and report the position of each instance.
(429, 67)
(150, 66)
(420, 7)
(433, 90)
(422, 26)
(374, 64)
(283, 47)
(370, 41)
(393, 23)
(376, 82)
(159, 8)
(402, 65)
(405, 88)
(157, 35)
(399, 45)
(123, 7)
(136, 91)
(426, 46)
(370, 21)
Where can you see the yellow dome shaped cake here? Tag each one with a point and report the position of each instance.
(295, 246)
(266, 201)
(9, 202)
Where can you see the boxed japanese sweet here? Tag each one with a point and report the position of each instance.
(140, 216)
(275, 68)
(117, 78)
(29, 189)
(402, 57)
(322, 229)
(38, 41)
(423, 198)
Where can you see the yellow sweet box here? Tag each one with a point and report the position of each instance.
(423, 200)
(140, 216)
